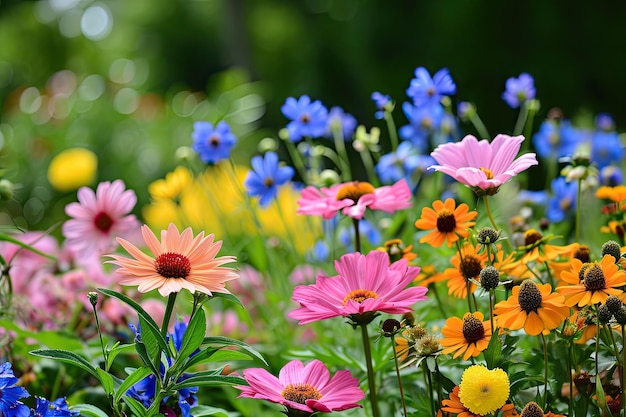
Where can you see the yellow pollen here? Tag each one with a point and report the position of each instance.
(299, 393)
(488, 173)
(359, 296)
(354, 190)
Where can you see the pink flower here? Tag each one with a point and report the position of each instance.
(306, 388)
(98, 218)
(352, 198)
(482, 165)
(366, 283)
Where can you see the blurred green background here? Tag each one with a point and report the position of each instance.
(136, 74)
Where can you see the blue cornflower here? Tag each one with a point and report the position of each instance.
(519, 90)
(383, 103)
(337, 118)
(10, 394)
(563, 200)
(266, 176)
(605, 122)
(606, 148)
(556, 139)
(57, 408)
(425, 90)
(423, 121)
(538, 198)
(611, 176)
(212, 144)
(394, 166)
(307, 118)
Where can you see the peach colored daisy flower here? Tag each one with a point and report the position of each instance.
(180, 261)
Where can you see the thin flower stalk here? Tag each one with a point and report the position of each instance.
(342, 155)
(371, 376)
(397, 366)
(393, 132)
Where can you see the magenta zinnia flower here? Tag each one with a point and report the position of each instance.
(180, 261)
(352, 198)
(366, 283)
(482, 165)
(308, 388)
(98, 218)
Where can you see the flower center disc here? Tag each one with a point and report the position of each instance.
(214, 141)
(594, 278)
(359, 296)
(473, 329)
(488, 173)
(529, 296)
(531, 237)
(103, 221)
(355, 190)
(299, 393)
(470, 267)
(446, 222)
(173, 265)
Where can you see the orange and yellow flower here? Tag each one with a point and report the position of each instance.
(533, 307)
(616, 194)
(447, 222)
(468, 337)
(454, 405)
(536, 248)
(591, 283)
(467, 265)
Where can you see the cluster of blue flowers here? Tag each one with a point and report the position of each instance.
(11, 394)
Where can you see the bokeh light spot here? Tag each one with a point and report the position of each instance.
(96, 23)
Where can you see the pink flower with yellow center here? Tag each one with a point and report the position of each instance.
(482, 165)
(181, 261)
(308, 388)
(364, 284)
(353, 198)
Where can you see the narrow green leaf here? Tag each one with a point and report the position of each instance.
(205, 410)
(137, 408)
(9, 238)
(227, 297)
(66, 357)
(201, 357)
(118, 349)
(134, 377)
(57, 339)
(493, 353)
(150, 339)
(222, 341)
(89, 410)
(206, 380)
(141, 350)
(194, 335)
(106, 380)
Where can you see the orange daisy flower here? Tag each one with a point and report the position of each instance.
(396, 250)
(180, 261)
(591, 283)
(563, 263)
(616, 194)
(533, 307)
(467, 265)
(447, 222)
(428, 275)
(469, 336)
(536, 248)
(454, 406)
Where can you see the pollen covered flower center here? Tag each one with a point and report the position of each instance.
(299, 393)
(446, 222)
(354, 191)
(103, 221)
(359, 295)
(582, 253)
(529, 296)
(473, 329)
(594, 279)
(470, 267)
(173, 265)
(305, 118)
(268, 182)
(488, 173)
(214, 141)
(532, 236)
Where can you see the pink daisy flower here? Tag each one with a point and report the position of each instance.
(365, 284)
(180, 261)
(307, 388)
(352, 198)
(483, 165)
(99, 217)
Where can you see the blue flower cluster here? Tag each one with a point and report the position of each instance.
(213, 144)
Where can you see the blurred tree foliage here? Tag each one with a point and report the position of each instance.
(338, 51)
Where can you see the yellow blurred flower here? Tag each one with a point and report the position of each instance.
(72, 168)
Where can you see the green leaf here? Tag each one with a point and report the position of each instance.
(225, 355)
(493, 353)
(106, 380)
(150, 324)
(134, 377)
(89, 410)
(150, 339)
(194, 335)
(227, 297)
(141, 350)
(66, 357)
(222, 341)
(116, 350)
(208, 378)
(9, 238)
(49, 338)
(137, 408)
(205, 410)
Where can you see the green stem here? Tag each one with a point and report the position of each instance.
(297, 160)
(491, 295)
(468, 284)
(570, 405)
(578, 198)
(521, 119)
(493, 222)
(371, 378)
(104, 350)
(393, 133)
(480, 127)
(342, 155)
(168, 313)
(545, 370)
(395, 358)
(368, 163)
(429, 390)
(357, 235)
(623, 370)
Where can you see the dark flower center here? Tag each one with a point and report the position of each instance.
(532, 409)
(103, 222)
(532, 236)
(268, 182)
(446, 222)
(488, 173)
(470, 267)
(430, 92)
(529, 296)
(299, 393)
(594, 278)
(173, 265)
(354, 190)
(359, 296)
(583, 254)
(214, 141)
(473, 329)
(305, 118)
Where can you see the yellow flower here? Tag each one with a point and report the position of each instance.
(72, 168)
(483, 390)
